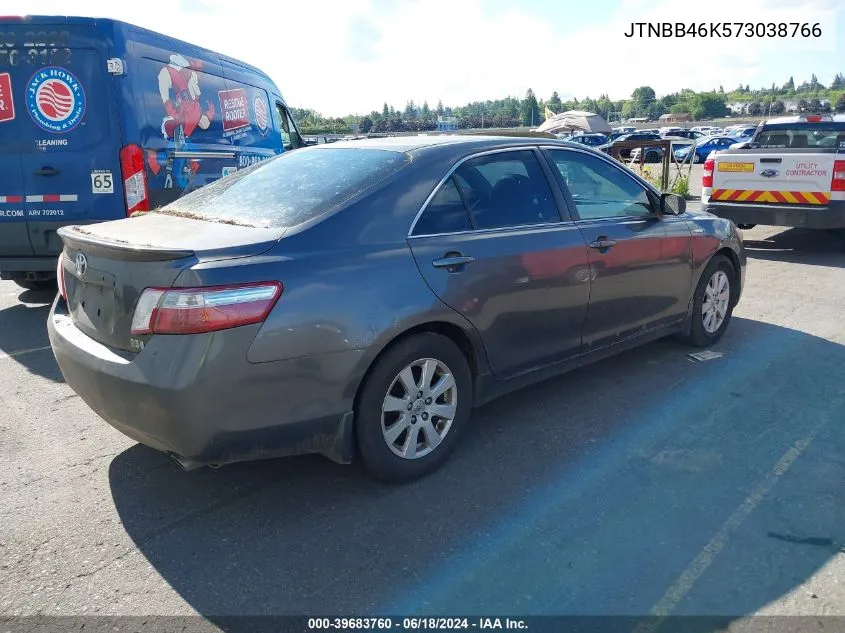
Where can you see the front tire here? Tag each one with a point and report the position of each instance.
(413, 407)
(713, 302)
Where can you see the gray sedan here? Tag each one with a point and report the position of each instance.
(359, 299)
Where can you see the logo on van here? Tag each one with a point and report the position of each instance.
(261, 119)
(55, 99)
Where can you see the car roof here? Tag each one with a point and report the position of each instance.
(424, 144)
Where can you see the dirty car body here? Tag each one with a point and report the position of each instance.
(323, 259)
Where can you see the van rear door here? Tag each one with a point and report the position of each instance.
(70, 136)
(14, 236)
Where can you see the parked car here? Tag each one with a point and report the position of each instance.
(684, 134)
(281, 311)
(790, 173)
(743, 133)
(592, 140)
(106, 119)
(704, 147)
(636, 136)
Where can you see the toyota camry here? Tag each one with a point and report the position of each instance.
(358, 300)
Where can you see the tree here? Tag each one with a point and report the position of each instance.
(754, 109)
(777, 107)
(410, 110)
(439, 109)
(838, 82)
(840, 103)
(814, 83)
(815, 105)
(554, 104)
(365, 125)
(721, 90)
(803, 105)
(789, 85)
(530, 113)
(384, 111)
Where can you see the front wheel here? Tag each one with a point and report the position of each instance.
(713, 303)
(697, 159)
(413, 408)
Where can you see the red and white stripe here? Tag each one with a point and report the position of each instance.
(11, 199)
(53, 197)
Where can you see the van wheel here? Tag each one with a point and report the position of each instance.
(413, 408)
(713, 303)
(38, 284)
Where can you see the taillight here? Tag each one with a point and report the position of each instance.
(707, 176)
(134, 179)
(813, 118)
(60, 276)
(837, 183)
(195, 310)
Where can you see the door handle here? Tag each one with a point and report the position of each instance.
(452, 263)
(602, 243)
(46, 171)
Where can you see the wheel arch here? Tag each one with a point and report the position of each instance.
(476, 359)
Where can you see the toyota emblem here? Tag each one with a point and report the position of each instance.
(80, 262)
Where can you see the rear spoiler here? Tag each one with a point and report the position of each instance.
(78, 237)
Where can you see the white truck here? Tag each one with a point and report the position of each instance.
(791, 173)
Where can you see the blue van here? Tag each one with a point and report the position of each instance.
(100, 119)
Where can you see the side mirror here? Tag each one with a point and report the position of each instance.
(672, 204)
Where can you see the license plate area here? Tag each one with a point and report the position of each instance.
(91, 301)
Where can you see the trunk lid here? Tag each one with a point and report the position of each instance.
(107, 265)
(785, 176)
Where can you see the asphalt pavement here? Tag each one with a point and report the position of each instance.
(649, 483)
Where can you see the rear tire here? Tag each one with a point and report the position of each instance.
(697, 159)
(37, 284)
(710, 316)
(402, 436)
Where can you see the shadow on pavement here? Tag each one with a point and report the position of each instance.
(23, 327)
(588, 494)
(801, 246)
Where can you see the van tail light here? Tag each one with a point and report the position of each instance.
(707, 176)
(134, 179)
(60, 276)
(837, 183)
(206, 309)
(813, 118)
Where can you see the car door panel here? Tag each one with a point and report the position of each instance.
(641, 264)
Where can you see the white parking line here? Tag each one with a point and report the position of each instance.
(685, 582)
(20, 352)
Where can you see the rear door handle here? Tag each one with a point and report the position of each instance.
(452, 262)
(46, 171)
(602, 242)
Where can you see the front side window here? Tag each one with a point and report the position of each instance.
(507, 189)
(599, 188)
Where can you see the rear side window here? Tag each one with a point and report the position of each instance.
(445, 212)
(292, 188)
(800, 135)
(507, 189)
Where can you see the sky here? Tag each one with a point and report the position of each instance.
(351, 56)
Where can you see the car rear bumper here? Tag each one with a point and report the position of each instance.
(829, 217)
(197, 397)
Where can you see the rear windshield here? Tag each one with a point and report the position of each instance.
(292, 188)
(820, 135)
